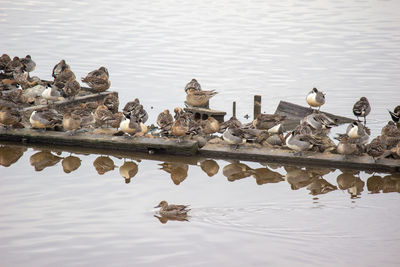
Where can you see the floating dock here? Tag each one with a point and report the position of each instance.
(162, 146)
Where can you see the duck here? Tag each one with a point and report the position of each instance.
(45, 119)
(377, 147)
(357, 131)
(71, 88)
(193, 84)
(10, 118)
(28, 63)
(135, 109)
(165, 120)
(15, 96)
(179, 128)
(130, 126)
(234, 136)
(65, 76)
(319, 122)
(300, 142)
(198, 98)
(59, 68)
(390, 130)
(12, 65)
(102, 115)
(210, 126)
(98, 80)
(362, 108)
(71, 122)
(315, 98)
(395, 114)
(111, 102)
(233, 122)
(51, 93)
(86, 115)
(347, 146)
(4, 60)
(21, 76)
(303, 128)
(180, 113)
(171, 209)
(270, 122)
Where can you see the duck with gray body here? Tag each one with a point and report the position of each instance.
(320, 122)
(234, 137)
(300, 142)
(359, 132)
(315, 98)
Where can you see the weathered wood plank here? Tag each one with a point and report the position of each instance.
(200, 112)
(143, 144)
(296, 112)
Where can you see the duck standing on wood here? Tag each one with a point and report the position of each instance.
(362, 108)
(98, 80)
(359, 132)
(28, 63)
(234, 136)
(72, 88)
(300, 142)
(315, 98)
(348, 146)
(12, 65)
(71, 122)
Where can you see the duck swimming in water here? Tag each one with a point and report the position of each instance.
(172, 210)
(315, 98)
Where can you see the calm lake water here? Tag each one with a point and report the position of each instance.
(268, 215)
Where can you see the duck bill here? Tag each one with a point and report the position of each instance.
(157, 206)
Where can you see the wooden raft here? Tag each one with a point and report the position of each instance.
(140, 144)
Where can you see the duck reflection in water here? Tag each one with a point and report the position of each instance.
(128, 170)
(391, 183)
(375, 184)
(171, 212)
(178, 171)
(43, 159)
(320, 186)
(70, 163)
(350, 182)
(298, 177)
(103, 164)
(236, 171)
(10, 154)
(210, 167)
(265, 176)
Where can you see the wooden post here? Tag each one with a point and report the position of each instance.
(234, 109)
(257, 106)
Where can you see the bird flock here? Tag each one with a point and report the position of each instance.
(18, 89)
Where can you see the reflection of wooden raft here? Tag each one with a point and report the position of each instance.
(295, 113)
